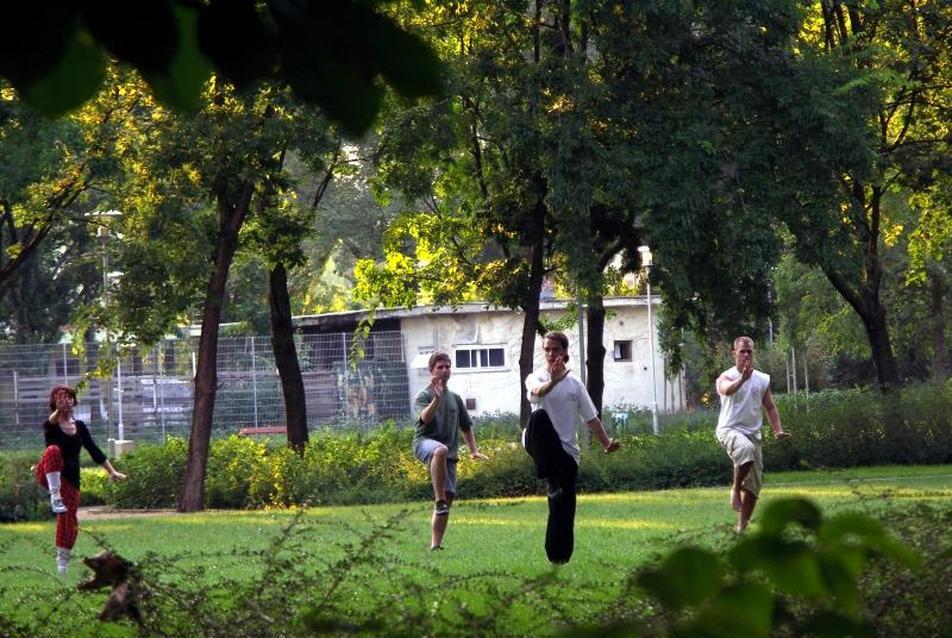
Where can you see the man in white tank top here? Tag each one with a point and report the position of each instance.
(745, 396)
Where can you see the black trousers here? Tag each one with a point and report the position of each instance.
(560, 470)
(560, 530)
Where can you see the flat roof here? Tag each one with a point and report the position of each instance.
(473, 307)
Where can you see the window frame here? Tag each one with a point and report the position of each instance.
(473, 350)
(618, 350)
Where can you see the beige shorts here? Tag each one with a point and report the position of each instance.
(742, 449)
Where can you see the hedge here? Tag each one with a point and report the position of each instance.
(830, 429)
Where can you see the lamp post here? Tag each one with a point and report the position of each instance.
(102, 232)
(103, 237)
(646, 264)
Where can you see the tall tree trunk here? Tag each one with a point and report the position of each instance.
(939, 364)
(877, 332)
(864, 295)
(230, 218)
(595, 317)
(872, 313)
(286, 359)
(530, 323)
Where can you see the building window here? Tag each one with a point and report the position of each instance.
(622, 351)
(480, 357)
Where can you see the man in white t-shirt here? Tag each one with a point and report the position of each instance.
(565, 400)
(745, 396)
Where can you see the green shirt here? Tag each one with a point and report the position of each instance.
(451, 417)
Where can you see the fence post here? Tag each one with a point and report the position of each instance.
(793, 369)
(120, 427)
(806, 381)
(16, 399)
(254, 380)
(158, 359)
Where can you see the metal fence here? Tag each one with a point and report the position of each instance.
(148, 394)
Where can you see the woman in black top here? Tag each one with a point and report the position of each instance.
(58, 469)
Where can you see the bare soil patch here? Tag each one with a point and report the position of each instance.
(103, 513)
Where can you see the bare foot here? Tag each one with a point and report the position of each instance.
(739, 530)
(735, 500)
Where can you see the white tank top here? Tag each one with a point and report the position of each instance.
(743, 410)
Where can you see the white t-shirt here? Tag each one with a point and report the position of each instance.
(744, 410)
(565, 404)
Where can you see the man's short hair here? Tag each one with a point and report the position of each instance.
(438, 356)
(561, 339)
(742, 340)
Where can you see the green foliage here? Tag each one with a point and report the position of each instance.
(860, 427)
(892, 53)
(245, 473)
(331, 54)
(799, 573)
(156, 473)
(497, 181)
(49, 260)
(702, 82)
(832, 429)
(675, 459)
(924, 529)
(806, 573)
(338, 468)
(810, 310)
(20, 497)
(232, 468)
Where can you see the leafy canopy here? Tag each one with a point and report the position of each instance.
(330, 53)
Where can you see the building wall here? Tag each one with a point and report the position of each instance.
(629, 383)
(493, 390)
(498, 389)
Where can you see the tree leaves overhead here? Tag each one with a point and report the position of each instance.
(332, 54)
(181, 84)
(53, 173)
(72, 79)
(232, 33)
(144, 33)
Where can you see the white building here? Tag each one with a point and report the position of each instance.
(484, 345)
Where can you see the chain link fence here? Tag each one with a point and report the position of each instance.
(148, 394)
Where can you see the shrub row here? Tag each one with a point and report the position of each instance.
(863, 427)
(22, 499)
(830, 429)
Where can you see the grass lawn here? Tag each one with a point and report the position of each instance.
(492, 545)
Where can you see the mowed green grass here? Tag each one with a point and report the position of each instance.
(488, 538)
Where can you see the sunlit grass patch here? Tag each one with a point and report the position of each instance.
(490, 543)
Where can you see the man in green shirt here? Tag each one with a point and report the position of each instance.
(442, 415)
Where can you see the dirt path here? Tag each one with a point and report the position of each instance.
(104, 513)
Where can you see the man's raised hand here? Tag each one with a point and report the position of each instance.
(439, 385)
(748, 371)
(558, 372)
